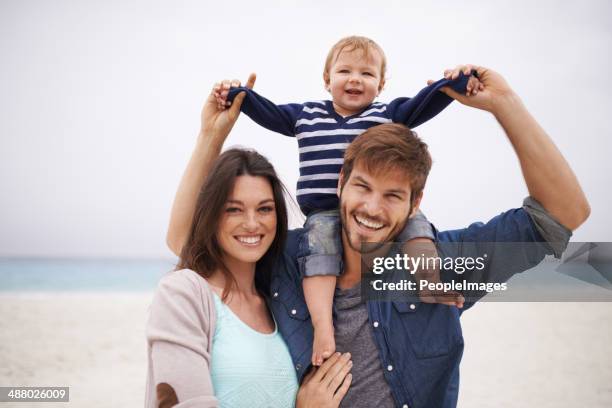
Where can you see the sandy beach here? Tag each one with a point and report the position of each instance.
(516, 354)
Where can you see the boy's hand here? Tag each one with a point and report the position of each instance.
(474, 84)
(216, 121)
(221, 90)
(494, 91)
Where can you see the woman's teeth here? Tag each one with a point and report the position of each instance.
(250, 240)
(368, 223)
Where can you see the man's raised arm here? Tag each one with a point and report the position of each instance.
(216, 126)
(549, 178)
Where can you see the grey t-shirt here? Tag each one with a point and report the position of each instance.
(354, 334)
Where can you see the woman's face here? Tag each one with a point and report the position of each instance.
(248, 222)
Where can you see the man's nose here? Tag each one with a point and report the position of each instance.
(373, 205)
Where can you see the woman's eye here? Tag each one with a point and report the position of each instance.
(232, 210)
(266, 209)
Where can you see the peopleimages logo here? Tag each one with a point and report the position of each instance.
(412, 264)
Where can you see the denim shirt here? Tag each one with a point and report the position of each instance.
(419, 344)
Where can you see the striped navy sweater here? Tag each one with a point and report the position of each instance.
(323, 135)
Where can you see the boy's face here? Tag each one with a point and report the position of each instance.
(354, 80)
(374, 208)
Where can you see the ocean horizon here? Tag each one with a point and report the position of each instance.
(81, 274)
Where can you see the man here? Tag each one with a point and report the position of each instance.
(405, 354)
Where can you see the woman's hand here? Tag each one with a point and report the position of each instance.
(325, 386)
(217, 122)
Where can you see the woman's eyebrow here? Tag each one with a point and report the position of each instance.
(264, 201)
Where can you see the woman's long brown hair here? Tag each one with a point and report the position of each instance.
(202, 252)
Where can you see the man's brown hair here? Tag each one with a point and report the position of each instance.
(386, 148)
(353, 43)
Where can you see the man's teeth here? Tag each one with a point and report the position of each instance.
(368, 223)
(250, 240)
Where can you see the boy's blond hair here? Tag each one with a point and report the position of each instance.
(352, 43)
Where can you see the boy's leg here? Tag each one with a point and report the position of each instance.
(319, 294)
(418, 239)
(320, 263)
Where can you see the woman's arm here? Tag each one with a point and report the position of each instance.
(216, 126)
(179, 335)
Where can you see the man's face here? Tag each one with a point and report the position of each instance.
(374, 208)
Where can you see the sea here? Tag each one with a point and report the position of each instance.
(73, 275)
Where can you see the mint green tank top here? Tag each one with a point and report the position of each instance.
(248, 368)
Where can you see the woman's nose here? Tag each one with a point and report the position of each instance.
(250, 222)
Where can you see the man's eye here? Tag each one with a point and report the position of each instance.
(362, 186)
(394, 197)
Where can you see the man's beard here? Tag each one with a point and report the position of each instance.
(367, 247)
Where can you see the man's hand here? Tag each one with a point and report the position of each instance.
(494, 91)
(325, 386)
(217, 121)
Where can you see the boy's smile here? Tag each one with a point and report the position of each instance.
(355, 80)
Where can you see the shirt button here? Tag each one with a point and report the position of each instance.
(375, 324)
(275, 294)
(297, 367)
(412, 306)
(389, 367)
(405, 406)
(293, 311)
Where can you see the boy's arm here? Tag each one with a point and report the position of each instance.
(427, 103)
(277, 118)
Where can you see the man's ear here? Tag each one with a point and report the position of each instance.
(340, 181)
(417, 203)
(326, 81)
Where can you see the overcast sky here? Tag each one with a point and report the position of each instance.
(100, 102)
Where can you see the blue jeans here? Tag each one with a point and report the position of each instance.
(321, 244)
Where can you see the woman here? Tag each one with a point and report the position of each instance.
(211, 339)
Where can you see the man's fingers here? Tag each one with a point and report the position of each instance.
(447, 90)
(430, 81)
(251, 81)
(343, 388)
